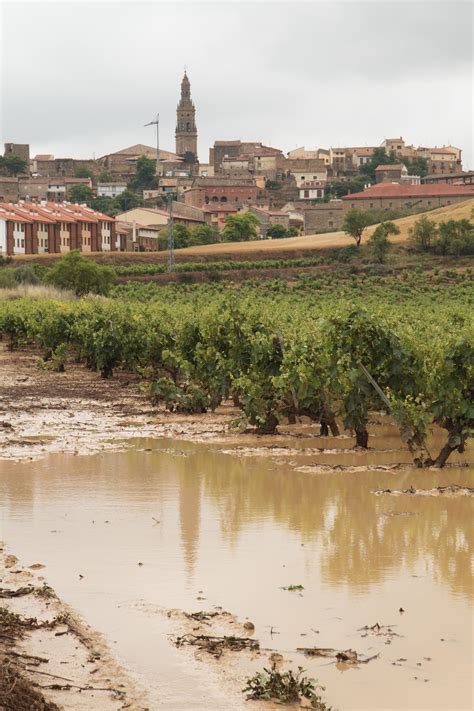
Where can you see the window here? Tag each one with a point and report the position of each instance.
(330, 223)
(306, 193)
(303, 178)
(371, 204)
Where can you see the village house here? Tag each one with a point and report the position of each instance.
(311, 190)
(154, 217)
(50, 189)
(111, 190)
(221, 190)
(303, 169)
(216, 214)
(395, 173)
(267, 217)
(32, 228)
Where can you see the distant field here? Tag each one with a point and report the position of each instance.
(289, 248)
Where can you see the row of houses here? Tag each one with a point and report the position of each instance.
(50, 227)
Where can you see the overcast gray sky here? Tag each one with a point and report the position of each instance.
(81, 78)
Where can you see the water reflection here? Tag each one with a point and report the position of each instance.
(361, 541)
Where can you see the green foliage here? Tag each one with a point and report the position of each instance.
(338, 188)
(379, 241)
(355, 222)
(81, 193)
(13, 165)
(416, 166)
(455, 237)
(240, 228)
(127, 201)
(80, 275)
(423, 233)
(105, 176)
(80, 171)
(145, 177)
(277, 231)
(285, 688)
(7, 279)
(379, 157)
(106, 205)
(281, 353)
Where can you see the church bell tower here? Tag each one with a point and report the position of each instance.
(186, 132)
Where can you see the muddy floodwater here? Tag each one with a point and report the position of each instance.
(212, 528)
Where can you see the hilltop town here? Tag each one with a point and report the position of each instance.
(120, 201)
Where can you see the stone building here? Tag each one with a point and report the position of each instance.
(312, 190)
(267, 217)
(9, 191)
(238, 192)
(391, 196)
(123, 164)
(52, 189)
(186, 131)
(249, 154)
(22, 150)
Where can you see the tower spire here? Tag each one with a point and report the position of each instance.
(186, 131)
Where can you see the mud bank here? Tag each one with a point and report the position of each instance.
(78, 412)
(50, 659)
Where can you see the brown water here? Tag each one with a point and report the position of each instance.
(238, 529)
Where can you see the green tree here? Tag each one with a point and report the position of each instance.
(423, 233)
(379, 241)
(127, 201)
(339, 188)
(106, 205)
(416, 166)
(80, 171)
(455, 237)
(379, 157)
(355, 222)
(276, 231)
(105, 176)
(81, 193)
(240, 227)
(203, 234)
(181, 235)
(12, 165)
(145, 177)
(81, 275)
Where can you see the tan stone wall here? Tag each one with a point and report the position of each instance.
(323, 217)
(402, 203)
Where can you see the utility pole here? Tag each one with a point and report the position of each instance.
(170, 234)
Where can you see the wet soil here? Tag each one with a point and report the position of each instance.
(50, 659)
(80, 412)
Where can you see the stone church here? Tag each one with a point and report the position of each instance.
(186, 131)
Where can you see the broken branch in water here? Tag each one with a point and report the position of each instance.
(217, 645)
(349, 656)
(4, 593)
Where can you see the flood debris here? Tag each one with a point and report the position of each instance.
(348, 656)
(287, 687)
(449, 490)
(203, 616)
(293, 588)
(216, 646)
(379, 631)
(19, 592)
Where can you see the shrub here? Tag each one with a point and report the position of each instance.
(80, 275)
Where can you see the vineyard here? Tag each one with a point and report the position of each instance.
(279, 355)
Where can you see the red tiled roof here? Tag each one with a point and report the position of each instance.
(444, 151)
(7, 212)
(396, 190)
(395, 166)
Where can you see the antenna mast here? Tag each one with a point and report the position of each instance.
(156, 122)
